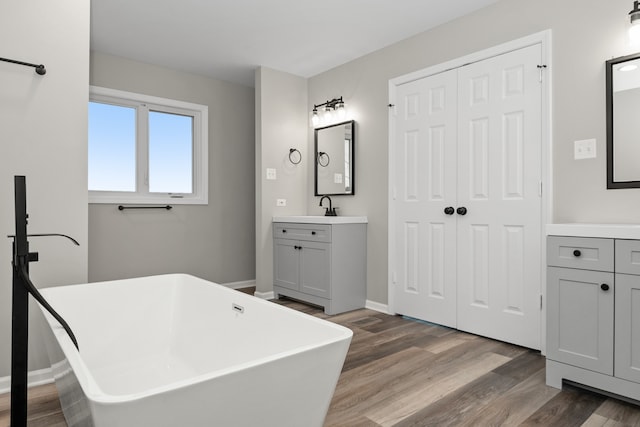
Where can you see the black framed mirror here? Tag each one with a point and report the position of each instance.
(334, 164)
(623, 126)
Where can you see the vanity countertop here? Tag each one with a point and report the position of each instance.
(611, 231)
(318, 219)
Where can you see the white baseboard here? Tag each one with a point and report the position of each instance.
(371, 305)
(34, 378)
(239, 285)
(376, 306)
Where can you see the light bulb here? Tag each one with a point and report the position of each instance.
(634, 29)
(315, 119)
(328, 115)
(341, 111)
(634, 33)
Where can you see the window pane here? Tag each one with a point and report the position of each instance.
(112, 147)
(170, 153)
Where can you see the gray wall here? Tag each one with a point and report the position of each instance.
(585, 34)
(43, 120)
(281, 124)
(216, 241)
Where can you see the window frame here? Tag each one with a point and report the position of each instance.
(143, 104)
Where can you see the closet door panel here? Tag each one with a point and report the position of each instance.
(425, 179)
(499, 154)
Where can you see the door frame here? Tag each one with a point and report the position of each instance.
(542, 38)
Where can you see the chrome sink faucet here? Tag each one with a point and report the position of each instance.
(330, 211)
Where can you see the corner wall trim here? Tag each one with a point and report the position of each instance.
(376, 306)
(34, 378)
(264, 295)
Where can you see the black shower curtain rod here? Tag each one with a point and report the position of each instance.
(39, 68)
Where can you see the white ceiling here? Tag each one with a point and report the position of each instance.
(229, 39)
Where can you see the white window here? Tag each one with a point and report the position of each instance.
(145, 149)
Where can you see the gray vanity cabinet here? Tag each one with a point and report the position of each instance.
(627, 320)
(303, 266)
(593, 291)
(324, 264)
(580, 302)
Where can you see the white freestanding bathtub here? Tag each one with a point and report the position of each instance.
(175, 350)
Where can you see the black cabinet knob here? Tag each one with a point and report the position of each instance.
(461, 210)
(313, 233)
(284, 231)
(604, 287)
(449, 210)
(577, 253)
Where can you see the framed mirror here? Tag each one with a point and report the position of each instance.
(334, 159)
(623, 126)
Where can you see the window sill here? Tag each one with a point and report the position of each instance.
(150, 200)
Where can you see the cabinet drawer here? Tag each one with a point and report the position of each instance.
(308, 232)
(628, 256)
(580, 252)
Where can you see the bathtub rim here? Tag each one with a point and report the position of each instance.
(94, 392)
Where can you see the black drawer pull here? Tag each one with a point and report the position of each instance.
(461, 211)
(604, 287)
(313, 233)
(577, 253)
(449, 210)
(284, 231)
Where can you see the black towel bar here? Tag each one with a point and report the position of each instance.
(39, 67)
(167, 207)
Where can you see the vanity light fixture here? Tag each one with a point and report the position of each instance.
(334, 108)
(634, 29)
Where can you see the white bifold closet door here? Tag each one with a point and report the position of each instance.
(467, 202)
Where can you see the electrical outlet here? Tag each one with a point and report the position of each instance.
(271, 174)
(281, 202)
(584, 149)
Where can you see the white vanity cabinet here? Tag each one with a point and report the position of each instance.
(321, 262)
(593, 310)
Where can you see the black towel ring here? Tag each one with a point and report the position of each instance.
(322, 163)
(292, 156)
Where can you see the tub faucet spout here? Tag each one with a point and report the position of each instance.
(330, 211)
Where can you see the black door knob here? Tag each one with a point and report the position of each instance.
(461, 210)
(449, 210)
(577, 253)
(604, 287)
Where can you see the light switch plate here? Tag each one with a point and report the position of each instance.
(271, 174)
(584, 149)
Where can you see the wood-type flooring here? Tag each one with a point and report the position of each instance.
(401, 372)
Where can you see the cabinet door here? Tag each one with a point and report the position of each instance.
(315, 268)
(286, 270)
(627, 327)
(580, 318)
